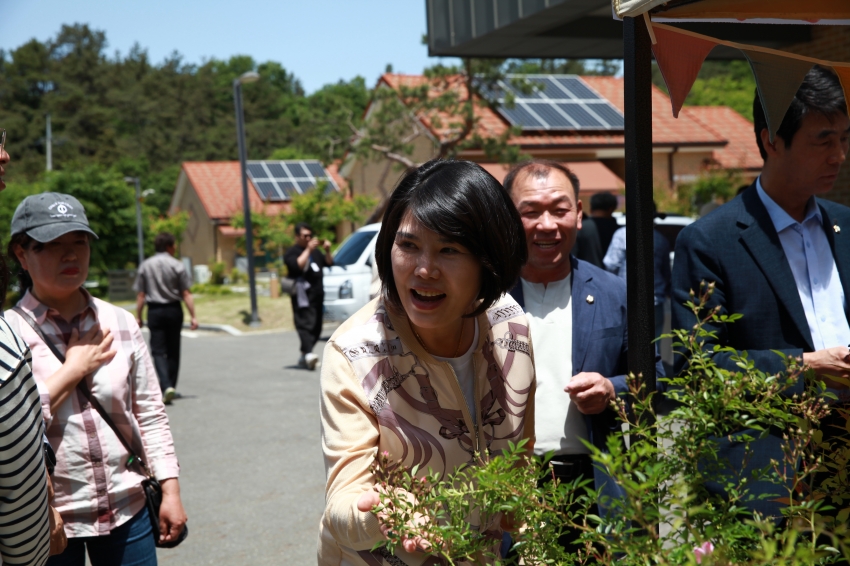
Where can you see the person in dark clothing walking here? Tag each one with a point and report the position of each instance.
(305, 262)
(162, 282)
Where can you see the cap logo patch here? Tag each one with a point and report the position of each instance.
(62, 210)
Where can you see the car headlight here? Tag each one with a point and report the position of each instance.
(346, 290)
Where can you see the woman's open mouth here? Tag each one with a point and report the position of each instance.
(426, 299)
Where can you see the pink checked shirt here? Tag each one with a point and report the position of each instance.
(95, 489)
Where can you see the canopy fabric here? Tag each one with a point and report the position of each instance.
(778, 74)
(796, 10)
(777, 79)
(680, 63)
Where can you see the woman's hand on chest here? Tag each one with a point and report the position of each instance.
(90, 351)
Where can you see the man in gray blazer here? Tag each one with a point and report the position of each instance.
(780, 256)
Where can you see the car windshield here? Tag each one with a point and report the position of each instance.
(352, 248)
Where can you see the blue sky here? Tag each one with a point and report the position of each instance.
(320, 41)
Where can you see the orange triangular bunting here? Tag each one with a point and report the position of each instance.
(844, 74)
(679, 58)
(778, 79)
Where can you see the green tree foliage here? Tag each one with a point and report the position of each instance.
(712, 185)
(604, 67)
(727, 83)
(272, 233)
(144, 119)
(719, 83)
(110, 205)
(322, 209)
(175, 224)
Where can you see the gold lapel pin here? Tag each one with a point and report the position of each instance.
(590, 299)
(837, 229)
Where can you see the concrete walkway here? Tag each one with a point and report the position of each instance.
(247, 436)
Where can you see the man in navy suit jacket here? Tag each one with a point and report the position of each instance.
(577, 316)
(779, 257)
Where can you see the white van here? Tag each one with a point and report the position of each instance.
(347, 282)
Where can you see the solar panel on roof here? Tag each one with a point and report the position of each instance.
(296, 169)
(610, 115)
(256, 170)
(550, 115)
(581, 116)
(267, 190)
(315, 168)
(305, 186)
(280, 180)
(551, 89)
(558, 102)
(577, 88)
(520, 116)
(276, 170)
(288, 188)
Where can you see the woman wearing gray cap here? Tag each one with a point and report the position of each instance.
(99, 394)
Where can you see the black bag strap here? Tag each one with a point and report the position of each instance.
(83, 389)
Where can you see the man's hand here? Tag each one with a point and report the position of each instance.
(313, 244)
(592, 393)
(194, 323)
(370, 499)
(326, 245)
(831, 362)
(172, 516)
(58, 540)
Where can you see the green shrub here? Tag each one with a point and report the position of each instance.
(663, 473)
(210, 289)
(217, 272)
(238, 276)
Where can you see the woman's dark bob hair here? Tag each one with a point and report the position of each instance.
(464, 203)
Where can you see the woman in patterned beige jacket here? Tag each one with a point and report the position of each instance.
(439, 366)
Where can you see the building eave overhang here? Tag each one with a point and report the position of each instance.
(577, 29)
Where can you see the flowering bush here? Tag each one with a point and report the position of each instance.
(668, 516)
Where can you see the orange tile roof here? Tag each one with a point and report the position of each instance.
(593, 176)
(218, 184)
(333, 171)
(666, 130)
(741, 152)
(230, 231)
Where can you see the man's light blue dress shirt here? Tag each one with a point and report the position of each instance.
(814, 270)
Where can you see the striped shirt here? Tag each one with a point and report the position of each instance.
(96, 490)
(24, 530)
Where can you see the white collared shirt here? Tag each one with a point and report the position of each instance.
(815, 273)
(558, 425)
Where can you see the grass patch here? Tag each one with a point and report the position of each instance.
(235, 310)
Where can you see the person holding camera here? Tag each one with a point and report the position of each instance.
(305, 262)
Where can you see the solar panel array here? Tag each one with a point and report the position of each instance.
(557, 102)
(278, 181)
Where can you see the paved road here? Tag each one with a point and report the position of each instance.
(247, 436)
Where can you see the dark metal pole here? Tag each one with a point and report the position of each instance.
(49, 144)
(639, 209)
(246, 205)
(139, 236)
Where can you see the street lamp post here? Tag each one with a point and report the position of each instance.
(248, 77)
(135, 181)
